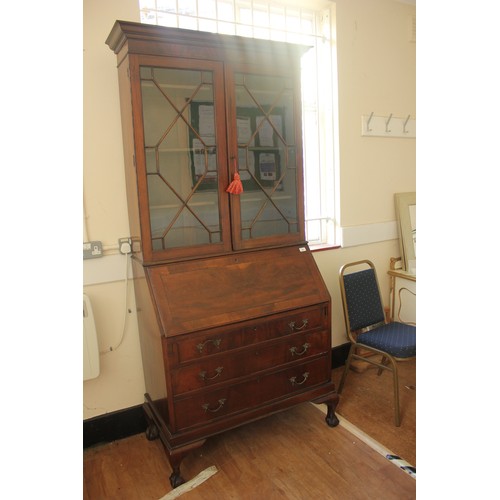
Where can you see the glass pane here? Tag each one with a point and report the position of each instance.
(207, 25)
(207, 9)
(165, 5)
(293, 19)
(188, 23)
(225, 10)
(243, 9)
(169, 20)
(260, 15)
(181, 156)
(267, 160)
(188, 7)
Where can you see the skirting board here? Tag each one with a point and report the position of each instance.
(130, 421)
(113, 426)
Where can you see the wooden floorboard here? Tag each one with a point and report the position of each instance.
(290, 455)
(367, 401)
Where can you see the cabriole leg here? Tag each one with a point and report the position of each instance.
(175, 457)
(331, 401)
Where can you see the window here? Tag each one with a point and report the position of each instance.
(289, 21)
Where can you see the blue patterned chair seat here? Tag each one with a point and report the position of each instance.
(397, 339)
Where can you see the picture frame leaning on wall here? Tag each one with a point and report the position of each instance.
(406, 216)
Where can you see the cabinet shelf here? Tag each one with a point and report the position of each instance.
(146, 82)
(177, 206)
(214, 203)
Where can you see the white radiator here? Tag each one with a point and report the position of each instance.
(90, 345)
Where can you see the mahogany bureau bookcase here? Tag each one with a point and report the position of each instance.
(234, 316)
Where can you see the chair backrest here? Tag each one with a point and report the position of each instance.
(361, 297)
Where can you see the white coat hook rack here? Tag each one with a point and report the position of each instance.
(368, 129)
(388, 126)
(387, 131)
(406, 123)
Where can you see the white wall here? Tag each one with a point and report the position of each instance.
(121, 382)
(376, 72)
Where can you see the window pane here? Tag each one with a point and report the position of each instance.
(187, 7)
(148, 4)
(189, 23)
(207, 25)
(165, 5)
(148, 17)
(261, 33)
(308, 23)
(293, 20)
(226, 28)
(278, 36)
(260, 15)
(169, 20)
(207, 8)
(244, 12)
(244, 30)
(225, 10)
(277, 16)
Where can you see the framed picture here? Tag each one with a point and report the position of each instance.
(259, 158)
(406, 216)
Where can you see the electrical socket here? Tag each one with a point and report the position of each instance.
(136, 245)
(125, 245)
(92, 249)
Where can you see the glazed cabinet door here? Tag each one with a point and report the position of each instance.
(265, 148)
(181, 156)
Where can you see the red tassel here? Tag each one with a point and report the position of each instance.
(236, 187)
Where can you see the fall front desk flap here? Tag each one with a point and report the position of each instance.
(201, 294)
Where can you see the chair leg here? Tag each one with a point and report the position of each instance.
(346, 368)
(397, 415)
(385, 362)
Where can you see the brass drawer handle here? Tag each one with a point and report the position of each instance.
(206, 406)
(215, 342)
(293, 380)
(203, 374)
(298, 328)
(294, 351)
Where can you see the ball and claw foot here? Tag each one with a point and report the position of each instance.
(176, 479)
(331, 419)
(152, 432)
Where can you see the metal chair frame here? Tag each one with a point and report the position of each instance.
(388, 362)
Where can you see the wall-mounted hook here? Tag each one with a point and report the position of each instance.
(404, 125)
(387, 123)
(368, 129)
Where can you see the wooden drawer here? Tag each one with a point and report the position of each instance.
(221, 340)
(218, 369)
(204, 407)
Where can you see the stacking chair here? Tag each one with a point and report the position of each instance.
(368, 328)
